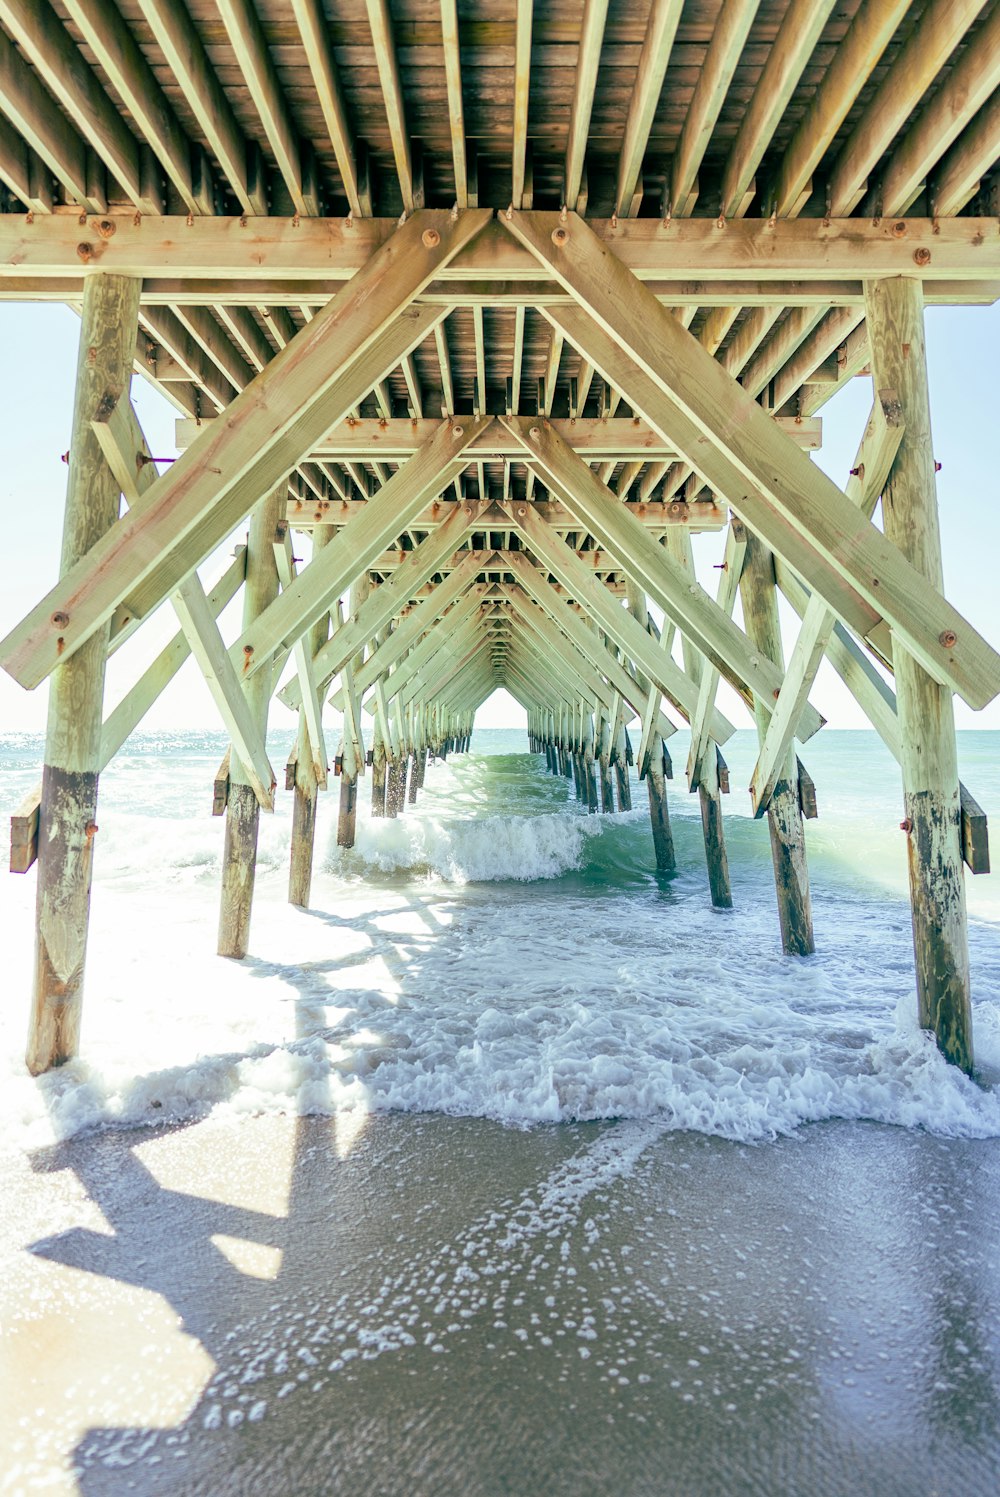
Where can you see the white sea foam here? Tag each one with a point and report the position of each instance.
(522, 967)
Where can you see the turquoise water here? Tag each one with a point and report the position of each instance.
(497, 952)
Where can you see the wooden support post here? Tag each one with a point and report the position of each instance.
(656, 784)
(926, 718)
(306, 790)
(378, 774)
(239, 856)
(695, 664)
(353, 745)
(604, 759)
(621, 769)
(67, 823)
(711, 823)
(788, 847)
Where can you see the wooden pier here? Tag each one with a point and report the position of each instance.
(491, 308)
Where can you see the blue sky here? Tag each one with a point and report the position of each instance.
(39, 344)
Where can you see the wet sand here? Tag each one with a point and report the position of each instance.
(424, 1304)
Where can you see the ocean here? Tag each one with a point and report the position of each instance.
(509, 1167)
(495, 952)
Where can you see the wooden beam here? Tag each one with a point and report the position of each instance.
(694, 612)
(964, 89)
(117, 52)
(748, 259)
(725, 51)
(803, 497)
(311, 705)
(253, 55)
(279, 415)
(43, 128)
(854, 60)
(456, 107)
(789, 53)
(315, 33)
(383, 41)
(639, 646)
(204, 95)
(956, 178)
(22, 170)
(703, 735)
(521, 91)
(56, 58)
(352, 550)
(879, 445)
(940, 29)
(657, 44)
(595, 14)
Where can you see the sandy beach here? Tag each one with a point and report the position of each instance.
(425, 1304)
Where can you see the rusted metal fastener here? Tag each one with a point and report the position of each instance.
(60, 620)
(534, 432)
(248, 650)
(922, 256)
(906, 826)
(85, 252)
(106, 227)
(948, 638)
(91, 830)
(898, 228)
(560, 235)
(430, 238)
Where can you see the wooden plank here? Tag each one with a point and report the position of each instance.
(799, 494)
(522, 85)
(24, 832)
(315, 33)
(350, 553)
(23, 171)
(957, 176)
(311, 705)
(787, 57)
(387, 601)
(975, 833)
(787, 255)
(190, 66)
(46, 132)
(940, 29)
(58, 61)
(247, 39)
(619, 625)
(694, 612)
(220, 785)
(853, 62)
(879, 445)
(595, 13)
(279, 415)
(808, 804)
(664, 16)
(702, 735)
(964, 89)
(456, 106)
(117, 52)
(714, 77)
(383, 41)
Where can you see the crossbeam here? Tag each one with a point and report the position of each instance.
(310, 384)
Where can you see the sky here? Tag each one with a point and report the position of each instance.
(38, 349)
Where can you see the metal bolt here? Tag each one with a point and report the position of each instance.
(456, 431)
(431, 238)
(560, 236)
(906, 826)
(60, 620)
(106, 227)
(534, 432)
(948, 638)
(898, 228)
(85, 252)
(921, 256)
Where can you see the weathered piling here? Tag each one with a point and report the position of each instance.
(378, 773)
(68, 810)
(306, 786)
(678, 543)
(239, 854)
(656, 783)
(784, 816)
(928, 755)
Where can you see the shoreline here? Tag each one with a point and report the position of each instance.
(436, 1304)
